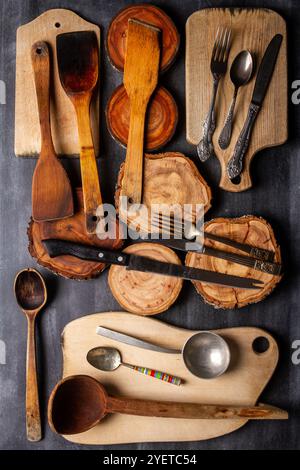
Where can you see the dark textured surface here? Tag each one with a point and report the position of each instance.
(275, 196)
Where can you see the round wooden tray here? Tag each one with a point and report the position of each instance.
(248, 229)
(117, 32)
(161, 122)
(71, 229)
(145, 293)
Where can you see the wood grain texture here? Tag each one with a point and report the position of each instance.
(72, 229)
(248, 229)
(247, 376)
(140, 80)
(169, 178)
(117, 34)
(63, 121)
(52, 196)
(161, 118)
(252, 29)
(145, 293)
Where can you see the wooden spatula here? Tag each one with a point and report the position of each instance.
(78, 64)
(140, 80)
(51, 189)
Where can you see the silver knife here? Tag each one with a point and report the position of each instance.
(57, 247)
(264, 75)
(116, 336)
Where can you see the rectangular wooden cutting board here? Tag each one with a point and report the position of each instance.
(242, 384)
(63, 118)
(252, 29)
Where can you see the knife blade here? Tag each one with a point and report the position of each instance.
(185, 245)
(264, 75)
(57, 247)
(123, 338)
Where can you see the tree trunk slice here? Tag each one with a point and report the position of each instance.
(117, 32)
(169, 178)
(145, 293)
(71, 229)
(248, 229)
(161, 121)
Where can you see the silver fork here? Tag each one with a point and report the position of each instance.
(218, 66)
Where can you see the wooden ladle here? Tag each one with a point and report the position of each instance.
(78, 65)
(31, 294)
(79, 402)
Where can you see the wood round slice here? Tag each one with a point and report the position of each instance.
(117, 32)
(248, 229)
(71, 229)
(145, 293)
(161, 121)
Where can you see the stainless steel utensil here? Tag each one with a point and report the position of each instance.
(240, 73)
(109, 359)
(264, 76)
(218, 66)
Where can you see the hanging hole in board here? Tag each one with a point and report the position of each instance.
(260, 345)
(94, 218)
(38, 50)
(57, 25)
(236, 180)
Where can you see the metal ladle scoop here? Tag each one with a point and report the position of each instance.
(240, 74)
(109, 359)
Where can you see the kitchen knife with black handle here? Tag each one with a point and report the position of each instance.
(264, 75)
(57, 247)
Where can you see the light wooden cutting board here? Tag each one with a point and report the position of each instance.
(63, 119)
(252, 29)
(242, 384)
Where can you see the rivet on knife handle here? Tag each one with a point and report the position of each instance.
(235, 164)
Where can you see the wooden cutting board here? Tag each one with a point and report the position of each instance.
(252, 29)
(63, 118)
(242, 384)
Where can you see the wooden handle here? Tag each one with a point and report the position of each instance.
(191, 410)
(33, 419)
(155, 373)
(89, 173)
(40, 57)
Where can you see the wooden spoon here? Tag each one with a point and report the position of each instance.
(140, 80)
(78, 64)
(31, 294)
(51, 189)
(79, 402)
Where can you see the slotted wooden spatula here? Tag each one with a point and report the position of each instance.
(78, 65)
(51, 189)
(140, 80)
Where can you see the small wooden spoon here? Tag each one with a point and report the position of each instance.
(31, 294)
(51, 188)
(79, 402)
(78, 64)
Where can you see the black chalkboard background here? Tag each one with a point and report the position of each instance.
(275, 196)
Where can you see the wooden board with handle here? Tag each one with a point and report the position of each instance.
(242, 384)
(252, 29)
(45, 28)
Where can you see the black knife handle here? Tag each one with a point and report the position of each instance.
(57, 247)
(235, 164)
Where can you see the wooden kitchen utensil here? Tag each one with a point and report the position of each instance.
(161, 118)
(78, 64)
(150, 14)
(46, 27)
(79, 402)
(140, 80)
(31, 295)
(51, 189)
(252, 29)
(251, 368)
(248, 229)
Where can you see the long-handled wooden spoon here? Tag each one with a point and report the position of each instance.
(140, 80)
(31, 294)
(78, 64)
(51, 189)
(79, 402)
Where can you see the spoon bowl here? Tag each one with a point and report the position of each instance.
(206, 355)
(106, 359)
(30, 290)
(242, 68)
